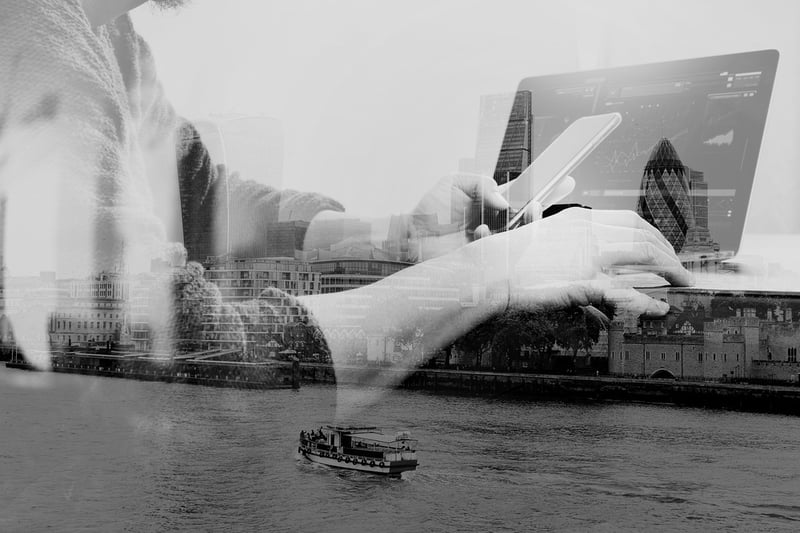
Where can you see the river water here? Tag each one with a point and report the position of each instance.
(80, 453)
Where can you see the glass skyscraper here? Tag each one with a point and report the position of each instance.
(664, 194)
(515, 152)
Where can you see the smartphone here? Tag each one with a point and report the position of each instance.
(555, 163)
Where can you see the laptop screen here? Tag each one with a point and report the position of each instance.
(685, 153)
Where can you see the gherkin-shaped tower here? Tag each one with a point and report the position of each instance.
(664, 194)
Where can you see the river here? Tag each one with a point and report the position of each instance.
(82, 453)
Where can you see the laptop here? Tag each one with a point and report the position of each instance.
(701, 120)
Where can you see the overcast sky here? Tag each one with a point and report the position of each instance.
(380, 99)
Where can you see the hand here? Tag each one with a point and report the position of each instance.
(562, 261)
(453, 199)
(440, 221)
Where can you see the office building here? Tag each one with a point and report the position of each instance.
(94, 311)
(329, 233)
(504, 135)
(698, 238)
(283, 239)
(664, 194)
(245, 279)
(341, 274)
(515, 152)
(503, 150)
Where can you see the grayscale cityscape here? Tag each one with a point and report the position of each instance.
(284, 312)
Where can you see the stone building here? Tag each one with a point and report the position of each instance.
(717, 335)
(95, 311)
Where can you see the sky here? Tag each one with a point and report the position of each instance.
(378, 100)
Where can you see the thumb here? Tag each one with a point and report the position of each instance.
(483, 188)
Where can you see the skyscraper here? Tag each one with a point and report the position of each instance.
(505, 124)
(698, 239)
(664, 194)
(503, 149)
(515, 152)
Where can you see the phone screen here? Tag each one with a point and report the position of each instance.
(560, 158)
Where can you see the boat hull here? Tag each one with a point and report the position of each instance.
(385, 468)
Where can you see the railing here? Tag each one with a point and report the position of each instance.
(374, 452)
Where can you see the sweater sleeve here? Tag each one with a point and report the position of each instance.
(69, 162)
(223, 213)
(219, 212)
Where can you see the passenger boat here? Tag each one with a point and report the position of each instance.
(365, 449)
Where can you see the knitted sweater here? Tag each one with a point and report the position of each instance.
(88, 138)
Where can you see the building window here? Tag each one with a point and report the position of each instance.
(725, 357)
(677, 356)
(700, 357)
(715, 356)
(627, 355)
(647, 356)
(663, 356)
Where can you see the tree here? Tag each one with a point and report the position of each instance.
(307, 339)
(579, 328)
(516, 329)
(477, 341)
(412, 335)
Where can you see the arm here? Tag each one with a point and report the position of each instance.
(222, 213)
(439, 223)
(76, 202)
(552, 263)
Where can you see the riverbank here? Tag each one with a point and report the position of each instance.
(197, 369)
(732, 396)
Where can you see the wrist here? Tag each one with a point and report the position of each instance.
(482, 278)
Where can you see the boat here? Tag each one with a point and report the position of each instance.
(362, 448)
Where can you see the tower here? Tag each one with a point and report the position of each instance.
(664, 194)
(503, 150)
(698, 239)
(515, 152)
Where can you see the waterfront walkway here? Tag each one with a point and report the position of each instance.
(734, 396)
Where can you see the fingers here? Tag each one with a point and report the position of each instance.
(626, 239)
(588, 293)
(533, 212)
(647, 254)
(597, 315)
(482, 188)
(482, 231)
(636, 303)
(624, 218)
(638, 235)
(629, 246)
